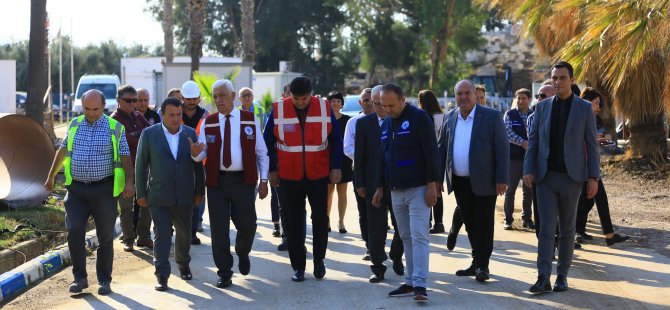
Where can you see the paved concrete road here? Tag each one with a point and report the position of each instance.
(623, 277)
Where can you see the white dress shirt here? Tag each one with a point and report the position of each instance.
(349, 139)
(172, 140)
(262, 159)
(462, 136)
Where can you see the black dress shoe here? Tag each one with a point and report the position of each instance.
(366, 257)
(376, 278)
(584, 236)
(298, 276)
(195, 241)
(398, 267)
(185, 273)
(528, 224)
(542, 285)
(282, 247)
(244, 265)
(616, 239)
(451, 241)
(437, 229)
(223, 283)
(481, 274)
(561, 284)
(471, 271)
(319, 269)
(162, 284)
(276, 231)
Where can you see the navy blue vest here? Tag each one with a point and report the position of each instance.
(519, 127)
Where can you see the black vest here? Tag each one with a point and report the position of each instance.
(519, 127)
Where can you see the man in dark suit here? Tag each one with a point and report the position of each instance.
(366, 154)
(562, 154)
(475, 157)
(175, 184)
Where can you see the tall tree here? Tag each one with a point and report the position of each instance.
(196, 10)
(247, 24)
(37, 60)
(621, 46)
(168, 30)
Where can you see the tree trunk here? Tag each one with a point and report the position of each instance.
(168, 30)
(647, 139)
(37, 60)
(196, 10)
(247, 25)
(440, 44)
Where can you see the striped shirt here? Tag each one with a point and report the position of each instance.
(92, 151)
(513, 137)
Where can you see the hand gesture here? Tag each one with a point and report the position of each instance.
(196, 148)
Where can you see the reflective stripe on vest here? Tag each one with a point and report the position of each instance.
(117, 130)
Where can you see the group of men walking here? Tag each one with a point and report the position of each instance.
(165, 165)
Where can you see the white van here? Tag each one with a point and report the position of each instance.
(107, 84)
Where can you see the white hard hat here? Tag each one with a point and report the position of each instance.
(190, 90)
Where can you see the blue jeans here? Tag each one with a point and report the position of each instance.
(411, 215)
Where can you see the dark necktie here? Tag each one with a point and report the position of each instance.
(227, 160)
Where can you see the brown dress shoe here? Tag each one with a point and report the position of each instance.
(147, 243)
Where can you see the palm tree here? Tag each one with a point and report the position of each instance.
(620, 46)
(37, 60)
(247, 25)
(196, 10)
(168, 30)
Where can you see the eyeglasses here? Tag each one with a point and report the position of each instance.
(245, 95)
(129, 100)
(541, 96)
(366, 100)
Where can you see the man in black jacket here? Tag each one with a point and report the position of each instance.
(409, 169)
(366, 157)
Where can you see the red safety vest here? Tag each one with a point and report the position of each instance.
(296, 159)
(247, 139)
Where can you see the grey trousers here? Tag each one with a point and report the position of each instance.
(515, 174)
(164, 219)
(557, 196)
(143, 224)
(81, 202)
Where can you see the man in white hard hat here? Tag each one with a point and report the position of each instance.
(192, 117)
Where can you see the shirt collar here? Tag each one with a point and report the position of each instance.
(167, 132)
(471, 115)
(235, 113)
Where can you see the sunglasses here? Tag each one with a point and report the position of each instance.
(541, 96)
(129, 100)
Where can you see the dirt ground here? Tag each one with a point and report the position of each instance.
(639, 201)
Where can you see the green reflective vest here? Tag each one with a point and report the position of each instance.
(259, 114)
(117, 130)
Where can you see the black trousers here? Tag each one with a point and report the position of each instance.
(478, 216)
(363, 216)
(91, 200)
(377, 224)
(456, 221)
(274, 205)
(231, 200)
(293, 194)
(585, 205)
(437, 211)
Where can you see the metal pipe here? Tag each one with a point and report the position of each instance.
(26, 153)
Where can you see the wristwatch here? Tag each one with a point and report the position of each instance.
(264, 181)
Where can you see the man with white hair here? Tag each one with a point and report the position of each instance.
(192, 117)
(236, 154)
(247, 99)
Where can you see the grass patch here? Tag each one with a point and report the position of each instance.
(49, 220)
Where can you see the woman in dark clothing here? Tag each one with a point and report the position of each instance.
(428, 102)
(337, 102)
(600, 200)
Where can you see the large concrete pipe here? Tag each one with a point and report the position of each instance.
(26, 153)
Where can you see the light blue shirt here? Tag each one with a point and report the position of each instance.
(462, 136)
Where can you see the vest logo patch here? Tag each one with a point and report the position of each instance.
(248, 130)
(290, 127)
(210, 138)
(404, 125)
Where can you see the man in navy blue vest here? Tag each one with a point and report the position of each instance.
(515, 124)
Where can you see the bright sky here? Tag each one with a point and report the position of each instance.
(93, 21)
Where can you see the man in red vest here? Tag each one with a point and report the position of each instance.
(235, 156)
(305, 155)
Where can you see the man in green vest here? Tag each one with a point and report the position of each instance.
(247, 99)
(98, 169)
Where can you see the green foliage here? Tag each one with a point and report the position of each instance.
(48, 217)
(267, 101)
(205, 80)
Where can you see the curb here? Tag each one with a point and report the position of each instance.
(18, 279)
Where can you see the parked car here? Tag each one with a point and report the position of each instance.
(21, 98)
(107, 84)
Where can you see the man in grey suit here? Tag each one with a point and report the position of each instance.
(174, 186)
(562, 154)
(475, 157)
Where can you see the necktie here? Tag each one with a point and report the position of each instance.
(227, 161)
